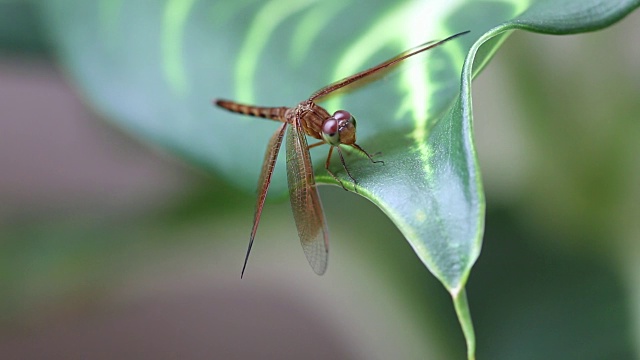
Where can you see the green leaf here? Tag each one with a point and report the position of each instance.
(153, 68)
(20, 29)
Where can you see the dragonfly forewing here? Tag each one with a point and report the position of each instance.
(305, 201)
(382, 66)
(268, 165)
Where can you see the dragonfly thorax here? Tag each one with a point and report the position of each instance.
(339, 128)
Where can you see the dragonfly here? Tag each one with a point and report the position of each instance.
(336, 130)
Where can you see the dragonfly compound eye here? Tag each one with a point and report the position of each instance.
(344, 115)
(330, 131)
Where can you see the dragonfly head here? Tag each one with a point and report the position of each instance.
(339, 128)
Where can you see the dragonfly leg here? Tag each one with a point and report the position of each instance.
(326, 166)
(344, 165)
(316, 144)
(356, 146)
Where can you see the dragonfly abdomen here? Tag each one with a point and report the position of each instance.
(275, 113)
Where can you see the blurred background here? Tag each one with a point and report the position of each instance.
(111, 248)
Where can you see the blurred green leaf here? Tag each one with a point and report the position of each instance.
(154, 67)
(21, 29)
(560, 304)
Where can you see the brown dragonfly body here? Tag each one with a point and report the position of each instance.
(310, 119)
(312, 115)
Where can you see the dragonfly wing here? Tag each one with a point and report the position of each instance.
(268, 165)
(305, 201)
(366, 73)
